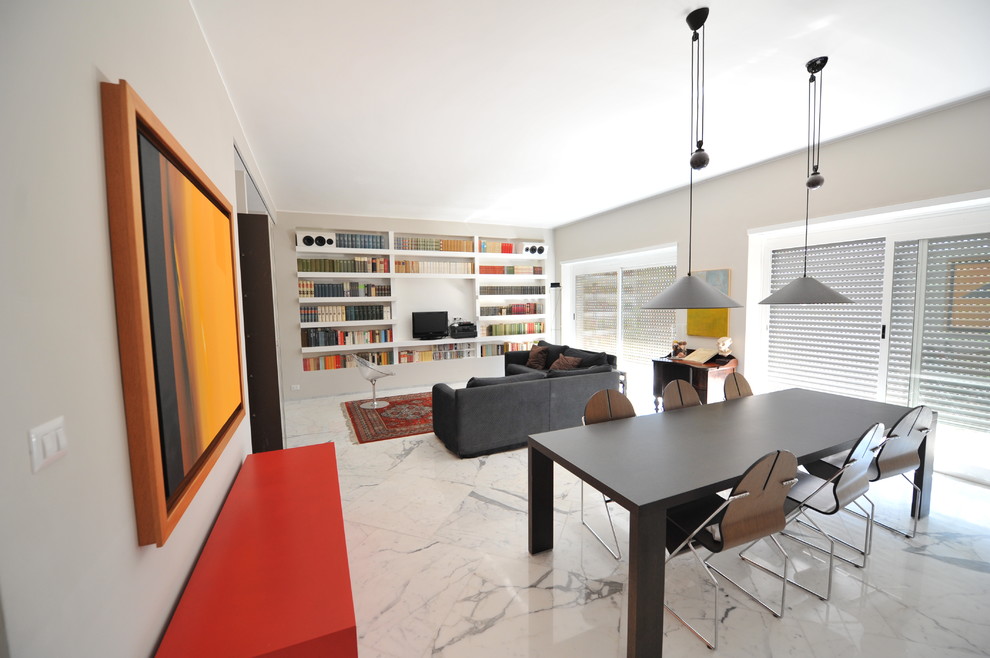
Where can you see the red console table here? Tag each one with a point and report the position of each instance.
(273, 577)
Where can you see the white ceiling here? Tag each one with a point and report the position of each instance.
(541, 112)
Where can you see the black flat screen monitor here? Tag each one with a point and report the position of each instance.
(429, 324)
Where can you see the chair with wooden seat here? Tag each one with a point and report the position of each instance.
(736, 386)
(899, 454)
(754, 510)
(602, 407)
(841, 488)
(679, 394)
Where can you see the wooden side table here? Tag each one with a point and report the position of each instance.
(708, 379)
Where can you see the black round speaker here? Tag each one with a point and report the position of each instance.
(308, 240)
(540, 249)
(320, 241)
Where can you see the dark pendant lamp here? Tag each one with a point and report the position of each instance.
(689, 292)
(806, 289)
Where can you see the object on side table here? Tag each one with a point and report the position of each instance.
(707, 378)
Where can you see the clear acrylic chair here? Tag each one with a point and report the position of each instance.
(372, 373)
(754, 510)
(602, 407)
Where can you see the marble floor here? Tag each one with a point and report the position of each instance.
(439, 566)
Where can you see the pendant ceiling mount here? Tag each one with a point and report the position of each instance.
(806, 289)
(689, 291)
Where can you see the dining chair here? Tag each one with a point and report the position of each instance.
(736, 386)
(679, 394)
(603, 406)
(372, 373)
(754, 510)
(830, 495)
(899, 454)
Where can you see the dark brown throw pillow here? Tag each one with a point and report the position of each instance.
(565, 363)
(537, 357)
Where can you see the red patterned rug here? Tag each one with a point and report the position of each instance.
(405, 415)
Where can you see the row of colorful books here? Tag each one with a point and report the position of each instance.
(497, 349)
(342, 313)
(355, 264)
(432, 244)
(512, 290)
(510, 269)
(361, 241)
(527, 308)
(493, 247)
(347, 289)
(514, 328)
(338, 361)
(438, 353)
(326, 337)
(433, 267)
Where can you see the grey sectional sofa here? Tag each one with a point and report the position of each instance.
(499, 413)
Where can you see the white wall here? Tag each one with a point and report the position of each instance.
(939, 154)
(457, 297)
(73, 580)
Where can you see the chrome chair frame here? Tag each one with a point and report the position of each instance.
(720, 514)
(615, 406)
(855, 468)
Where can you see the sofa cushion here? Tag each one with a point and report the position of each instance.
(475, 382)
(578, 371)
(553, 352)
(588, 359)
(538, 357)
(565, 363)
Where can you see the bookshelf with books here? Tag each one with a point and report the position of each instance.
(357, 291)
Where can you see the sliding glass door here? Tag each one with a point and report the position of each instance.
(918, 333)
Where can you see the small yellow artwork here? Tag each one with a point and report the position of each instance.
(712, 322)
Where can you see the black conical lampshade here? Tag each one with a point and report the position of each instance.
(806, 290)
(691, 292)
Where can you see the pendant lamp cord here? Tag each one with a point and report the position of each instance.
(691, 217)
(697, 121)
(814, 148)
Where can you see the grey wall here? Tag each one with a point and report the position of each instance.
(938, 154)
(73, 580)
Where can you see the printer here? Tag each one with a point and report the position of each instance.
(463, 329)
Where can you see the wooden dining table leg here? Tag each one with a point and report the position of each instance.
(540, 502)
(645, 592)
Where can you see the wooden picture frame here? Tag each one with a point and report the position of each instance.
(172, 248)
(713, 322)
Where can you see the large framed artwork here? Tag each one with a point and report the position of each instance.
(712, 322)
(177, 324)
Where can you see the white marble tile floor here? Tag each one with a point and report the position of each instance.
(440, 567)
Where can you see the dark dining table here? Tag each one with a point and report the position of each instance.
(653, 462)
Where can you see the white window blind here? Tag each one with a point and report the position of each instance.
(646, 333)
(940, 343)
(596, 311)
(829, 347)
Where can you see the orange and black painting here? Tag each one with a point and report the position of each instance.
(191, 297)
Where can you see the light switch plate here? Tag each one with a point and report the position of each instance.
(48, 442)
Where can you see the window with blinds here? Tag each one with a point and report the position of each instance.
(596, 311)
(940, 328)
(610, 315)
(646, 333)
(833, 348)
